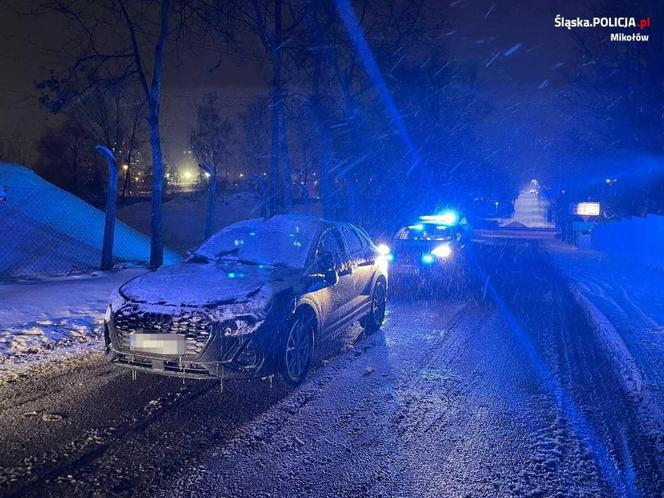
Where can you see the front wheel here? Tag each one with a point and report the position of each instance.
(298, 351)
(374, 319)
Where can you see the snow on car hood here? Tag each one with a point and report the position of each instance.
(197, 284)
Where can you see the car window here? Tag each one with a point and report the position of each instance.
(330, 243)
(278, 241)
(354, 244)
(426, 232)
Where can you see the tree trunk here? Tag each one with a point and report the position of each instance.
(277, 105)
(126, 186)
(156, 225)
(111, 204)
(154, 100)
(212, 201)
(319, 117)
(288, 183)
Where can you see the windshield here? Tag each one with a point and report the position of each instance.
(283, 243)
(426, 232)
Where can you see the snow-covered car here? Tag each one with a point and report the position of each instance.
(428, 254)
(254, 300)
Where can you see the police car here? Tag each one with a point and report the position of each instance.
(427, 254)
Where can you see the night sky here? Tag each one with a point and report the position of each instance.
(523, 64)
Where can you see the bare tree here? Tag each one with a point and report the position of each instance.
(65, 158)
(274, 23)
(119, 41)
(210, 140)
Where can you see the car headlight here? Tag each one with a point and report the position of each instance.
(427, 258)
(239, 326)
(442, 251)
(383, 249)
(108, 315)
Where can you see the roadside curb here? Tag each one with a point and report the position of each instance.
(612, 343)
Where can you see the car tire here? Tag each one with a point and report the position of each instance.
(298, 348)
(374, 319)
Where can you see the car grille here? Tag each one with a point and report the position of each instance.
(193, 325)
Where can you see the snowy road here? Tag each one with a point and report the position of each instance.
(449, 399)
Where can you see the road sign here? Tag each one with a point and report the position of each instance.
(585, 209)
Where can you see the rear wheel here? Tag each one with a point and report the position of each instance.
(374, 319)
(298, 349)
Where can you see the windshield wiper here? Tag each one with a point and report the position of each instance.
(253, 262)
(243, 261)
(227, 251)
(198, 258)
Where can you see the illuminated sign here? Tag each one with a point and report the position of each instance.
(586, 209)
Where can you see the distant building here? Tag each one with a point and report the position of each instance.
(531, 209)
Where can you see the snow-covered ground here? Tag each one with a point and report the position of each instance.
(636, 239)
(60, 315)
(624, 302)
(515, 398)
(45, 230)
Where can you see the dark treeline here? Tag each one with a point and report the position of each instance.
(445, 106)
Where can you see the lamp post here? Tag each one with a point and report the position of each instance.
(211, 175)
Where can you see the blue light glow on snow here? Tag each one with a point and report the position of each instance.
(582, 427)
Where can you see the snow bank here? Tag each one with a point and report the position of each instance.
(46, 230)
(612, 342)
(38, 317)
(638, 240)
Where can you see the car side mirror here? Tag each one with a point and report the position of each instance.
(327, 269)
(331, 277)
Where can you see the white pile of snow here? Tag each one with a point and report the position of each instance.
(46, 230)
(37, 317)
(638, 240)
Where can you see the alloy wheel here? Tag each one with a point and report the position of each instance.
(298, 349)
(378, 303)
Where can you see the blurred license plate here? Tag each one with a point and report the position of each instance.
(157, 343)
(404, 269)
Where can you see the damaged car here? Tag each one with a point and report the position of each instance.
(253, 301)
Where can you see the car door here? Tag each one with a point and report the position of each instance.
(334, 300)
(362, 264)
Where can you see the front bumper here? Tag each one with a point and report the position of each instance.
(210, 356)
(434, 271)
(177, 367)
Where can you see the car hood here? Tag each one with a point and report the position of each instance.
(209, 284)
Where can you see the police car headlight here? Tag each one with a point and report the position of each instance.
(383, 249)
(442, 251)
